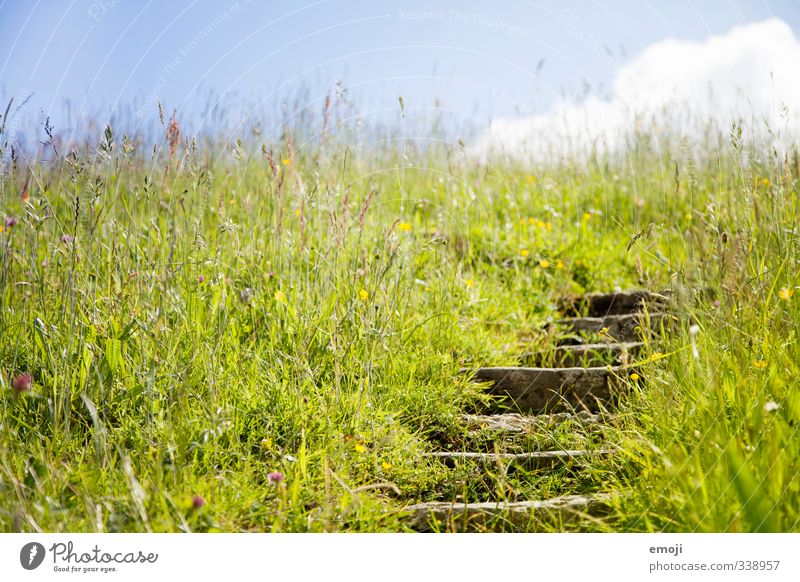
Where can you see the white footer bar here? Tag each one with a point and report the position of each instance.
(406, 557)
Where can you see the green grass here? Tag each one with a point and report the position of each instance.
(193, 324)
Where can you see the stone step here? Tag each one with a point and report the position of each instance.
(584, 354)
(551, 389)
(467, 516)
(615, 328)
(530, 461)
(514, 422)
(617, 303)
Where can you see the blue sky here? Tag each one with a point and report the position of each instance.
(481, 59)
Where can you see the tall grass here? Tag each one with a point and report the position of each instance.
(198, 319)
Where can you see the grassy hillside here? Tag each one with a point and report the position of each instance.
(222, 338)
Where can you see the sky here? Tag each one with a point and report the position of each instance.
(482, 61)
(743, 80)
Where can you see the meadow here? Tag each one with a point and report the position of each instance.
(230, 335)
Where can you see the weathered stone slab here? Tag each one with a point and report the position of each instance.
(572, 355)
(616, 328)
(470, 516)
(620, 303)
(533, 460)
(550, 389)
(513, 422)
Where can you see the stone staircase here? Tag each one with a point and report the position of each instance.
(575, 383)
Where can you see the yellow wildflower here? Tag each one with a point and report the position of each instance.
(404, 226)
(386, 466)
(297, 212)
(287, 161)
(470, 283)
(540, 223)
(360, 448)
(656, 356)
(524, 252)
(266, 443)
(559, 264)
(586, 217)
(760, 364)
(544, 263)
(531, 220)
(785, 293)
(363, 294)
(635, 376)
(532, 179)
(766, 182)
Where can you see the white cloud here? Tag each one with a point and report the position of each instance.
(749, 74)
